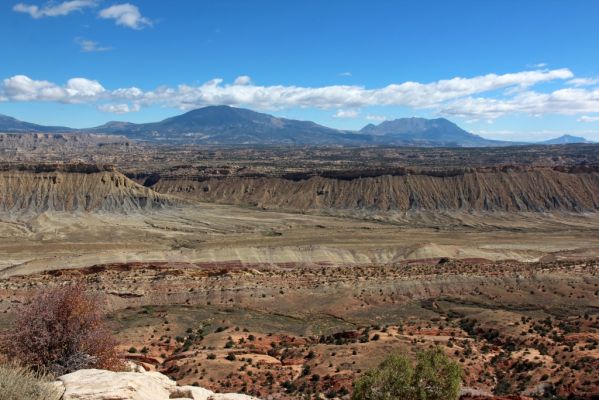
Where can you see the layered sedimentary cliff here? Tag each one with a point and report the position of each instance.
(493, 189)
(24, 143)
(42, 188)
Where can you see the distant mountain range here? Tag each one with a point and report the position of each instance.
(567, 139)
(232, 126)
(426, 132)
(224, 125)
(12, 125)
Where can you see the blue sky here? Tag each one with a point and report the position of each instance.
(505, 69)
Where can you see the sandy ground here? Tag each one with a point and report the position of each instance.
(217, 233)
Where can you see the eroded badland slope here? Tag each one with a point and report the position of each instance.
(506, 189)
(72, 188)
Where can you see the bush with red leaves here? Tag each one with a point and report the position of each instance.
(61, 330)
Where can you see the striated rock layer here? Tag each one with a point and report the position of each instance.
(74, 188)
(511, 190)
(24, 142)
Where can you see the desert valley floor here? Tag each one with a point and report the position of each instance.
(285, 279)
(212, 234)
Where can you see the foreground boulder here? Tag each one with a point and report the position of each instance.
(95, 384)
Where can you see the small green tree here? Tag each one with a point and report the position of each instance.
(391, 380)
(435, 377)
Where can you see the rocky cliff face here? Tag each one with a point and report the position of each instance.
(74, 188)
(511, 190)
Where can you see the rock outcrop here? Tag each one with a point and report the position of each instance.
(94, 384)
(501, 189)
(83, 187)
(34, 142)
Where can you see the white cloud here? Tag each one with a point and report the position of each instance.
(481, 97)
(346, 73)
(587, 118)
(242, 80)
(51, 10)
(376, 118)
(81, 87)
(346, 114)
(23, 88)
(126, 15)
(89, 46)
(76, 90)
(408, 94)
(561, 102)
(122, 108)
(583, 81)
(128, 93)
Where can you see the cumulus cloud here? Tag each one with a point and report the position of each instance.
(76, 90)
(131, 93)
(81, 87)
(89, 46)
(567, 101)
(346, 114)
(242, 80)
(127, 15)
(409, 94)
(480, 97)
(52, 10)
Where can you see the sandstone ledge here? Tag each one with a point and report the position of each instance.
(95, 384)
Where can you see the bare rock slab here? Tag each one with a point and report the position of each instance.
(95, 384)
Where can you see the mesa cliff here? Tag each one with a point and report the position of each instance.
(507, 189)
(75, 187)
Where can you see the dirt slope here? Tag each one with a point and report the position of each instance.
(536, 190)
(73, 188)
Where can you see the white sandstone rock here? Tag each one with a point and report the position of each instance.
(95, 384)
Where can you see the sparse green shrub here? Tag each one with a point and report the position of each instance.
(434, 377)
